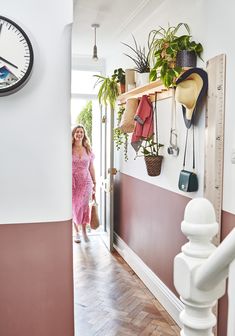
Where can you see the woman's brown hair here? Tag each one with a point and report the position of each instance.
(85, 140)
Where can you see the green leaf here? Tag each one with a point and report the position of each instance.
(153, 75)
(146, 152)
(140, 57)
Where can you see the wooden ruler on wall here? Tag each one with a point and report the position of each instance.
(214, 137)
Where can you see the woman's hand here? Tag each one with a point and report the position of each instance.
(93, 195)
(94, 188)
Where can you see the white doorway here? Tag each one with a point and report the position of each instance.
(83, 90)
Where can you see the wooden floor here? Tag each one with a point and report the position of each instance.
(110, 300)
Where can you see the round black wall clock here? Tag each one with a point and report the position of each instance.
(16, 57)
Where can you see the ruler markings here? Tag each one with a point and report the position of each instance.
(214, 136)
(214, 140)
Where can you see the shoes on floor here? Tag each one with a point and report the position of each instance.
(85, 237)
(77, 238)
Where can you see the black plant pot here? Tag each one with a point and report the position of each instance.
(186, 58)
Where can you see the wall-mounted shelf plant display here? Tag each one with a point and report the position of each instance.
(120, 138)
(148, 89)
(171, 52)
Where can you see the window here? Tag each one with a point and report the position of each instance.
(82, 90)
(83, 82)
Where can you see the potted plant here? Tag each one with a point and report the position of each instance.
(120, 138)
(119, 76)
(108, 91)
(150, 150)
(141, 59)
(165, 47)
(188, 51)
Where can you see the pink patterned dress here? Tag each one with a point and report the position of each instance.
(82, 187)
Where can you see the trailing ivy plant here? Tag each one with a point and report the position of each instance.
(120, 138)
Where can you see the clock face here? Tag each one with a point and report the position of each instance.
(16, 57)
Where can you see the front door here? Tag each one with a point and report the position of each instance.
(107, 173)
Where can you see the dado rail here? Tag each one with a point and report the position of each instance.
(201, 269)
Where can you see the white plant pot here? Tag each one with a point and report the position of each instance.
(143, 78)
(130, 79)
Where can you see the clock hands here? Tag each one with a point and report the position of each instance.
(6, 61)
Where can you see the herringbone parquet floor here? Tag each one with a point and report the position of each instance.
(110, 300)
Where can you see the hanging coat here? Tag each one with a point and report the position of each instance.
(143, 122)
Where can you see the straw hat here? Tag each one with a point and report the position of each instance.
(191, 87)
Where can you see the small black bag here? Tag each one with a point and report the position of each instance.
(188, 181)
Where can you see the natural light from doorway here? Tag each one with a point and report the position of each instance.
(82, 90)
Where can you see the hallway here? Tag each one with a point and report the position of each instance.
(110, 300)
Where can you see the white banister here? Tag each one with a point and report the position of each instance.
(216, 267)
(201, 269)
(231, 300)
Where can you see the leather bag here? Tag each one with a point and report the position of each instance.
(188, 180)
(94, 220)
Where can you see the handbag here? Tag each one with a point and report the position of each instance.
(94, 220)
(188, 180)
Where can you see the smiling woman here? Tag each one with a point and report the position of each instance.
(84, 181)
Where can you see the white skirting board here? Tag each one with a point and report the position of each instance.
(162, 293)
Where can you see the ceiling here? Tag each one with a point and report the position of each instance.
(113, 16)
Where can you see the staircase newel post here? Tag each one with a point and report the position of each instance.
(199, 226)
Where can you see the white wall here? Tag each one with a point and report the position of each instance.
(220, 20)
(35, 136)
(211, 23)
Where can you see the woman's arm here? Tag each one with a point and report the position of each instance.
(92, 172)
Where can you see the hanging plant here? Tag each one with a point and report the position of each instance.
(153, 160)
(120, 138)
(108, 90)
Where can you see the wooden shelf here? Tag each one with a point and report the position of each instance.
(148, 89)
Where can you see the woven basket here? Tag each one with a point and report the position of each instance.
(153, 164)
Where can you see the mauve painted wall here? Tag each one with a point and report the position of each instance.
(36, 279)
(148, 219)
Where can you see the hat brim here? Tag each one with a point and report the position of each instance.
(203, 74)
